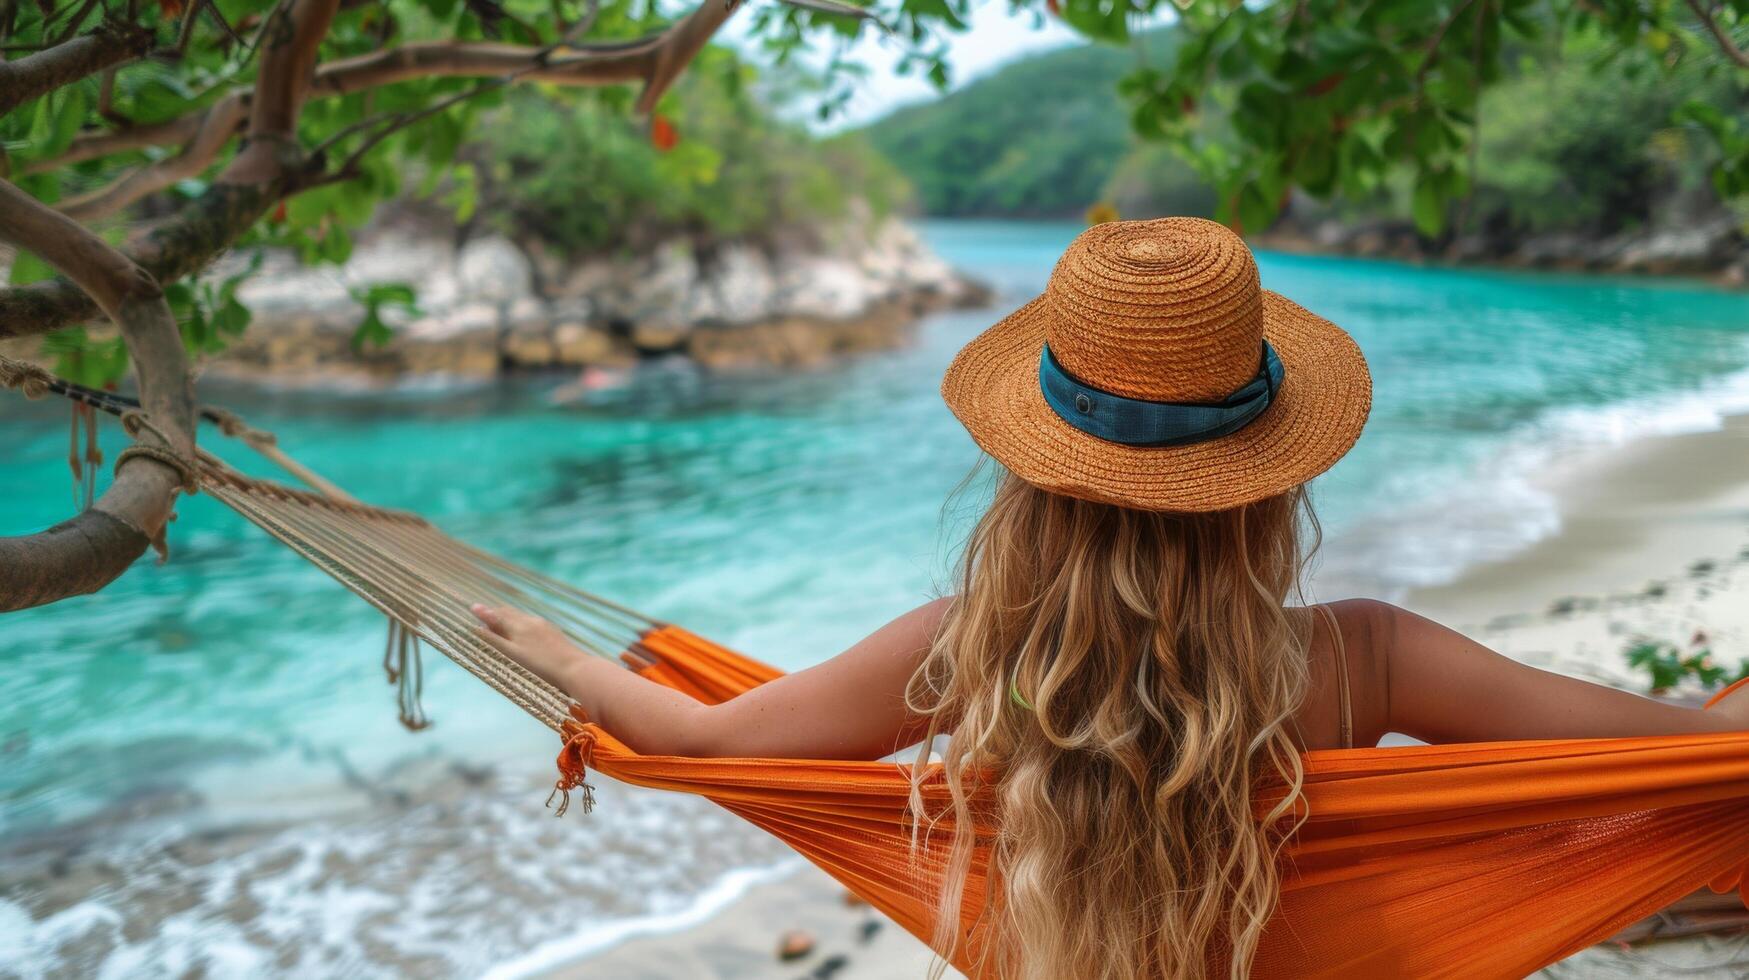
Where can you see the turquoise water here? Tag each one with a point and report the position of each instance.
(786, 514)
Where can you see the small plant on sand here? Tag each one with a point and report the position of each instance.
(1667, 664)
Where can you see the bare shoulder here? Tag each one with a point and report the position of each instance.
(928, 616)
(1370, 629)
(1363, 615)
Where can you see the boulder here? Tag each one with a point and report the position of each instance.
(664, 284)
(824, 287)
(578, 345)
(738, 288)
(493, 269)
(529, 347)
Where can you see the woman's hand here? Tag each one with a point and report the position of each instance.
(530, 641)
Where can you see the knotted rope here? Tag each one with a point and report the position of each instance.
(27, 378)
(575, 758)
(133, 422)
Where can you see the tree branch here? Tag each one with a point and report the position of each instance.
(51, 68)
(212, 132)
(1727, 45)
(86, 553)
(292, 37)
(102, 143)
(176, 248)
(206, 226)
(569, 65)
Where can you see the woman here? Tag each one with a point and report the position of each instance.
(1124, 648)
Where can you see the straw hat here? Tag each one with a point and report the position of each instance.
(1156, 373)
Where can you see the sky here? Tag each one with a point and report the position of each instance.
(996, 36)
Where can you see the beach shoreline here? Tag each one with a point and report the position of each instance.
(1631, 515)
(1653, 542)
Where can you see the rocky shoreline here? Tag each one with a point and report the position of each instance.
(1712, 247)
(489, 307)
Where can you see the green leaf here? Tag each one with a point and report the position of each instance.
(232, 317)
(463, 193)
(1256, 209)
(1427, 207)
(27, 268)
(390, 293)
(372, 332)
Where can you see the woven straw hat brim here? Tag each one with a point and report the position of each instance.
(1316, 416)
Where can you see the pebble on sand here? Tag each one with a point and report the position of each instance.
(794, 945)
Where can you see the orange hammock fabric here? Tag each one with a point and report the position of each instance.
(1479, 860)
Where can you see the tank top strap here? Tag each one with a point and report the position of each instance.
(1340, 654)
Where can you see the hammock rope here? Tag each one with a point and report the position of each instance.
(1477, 860)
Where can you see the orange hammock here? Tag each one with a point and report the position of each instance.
(1479, 860)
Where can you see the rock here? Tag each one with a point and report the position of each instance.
(527, 313)
(659, 336)
(896, 258)
(1552, 249)
(739, 288)
(1690, 247)
(571, 309)
(493, 268)
(470, 319)
(828, 288)
(399, 256)
(664, 285)
(1330, 234)
(461, 354)
(590, 279)
(528, 339)
(784, 343)
(1470, 247)
(1737, 273)
(577, 345)
(793, 298)
(284, 288)
(794, 945)
(529, 347)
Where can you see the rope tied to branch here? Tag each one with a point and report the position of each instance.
(32, 381)
(232, 424)
(134, 421)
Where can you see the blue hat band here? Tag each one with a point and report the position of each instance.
(1136, 422)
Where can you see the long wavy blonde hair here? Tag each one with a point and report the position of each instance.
(1128, 679)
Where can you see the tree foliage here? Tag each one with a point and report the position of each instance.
(583, 178)
(120, 113)
(1334, 97)
(135, 120)
(1037, 137)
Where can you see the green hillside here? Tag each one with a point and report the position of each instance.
(1044, 136)
(1573, 143)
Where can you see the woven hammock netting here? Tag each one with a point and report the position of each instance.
(1470, 860)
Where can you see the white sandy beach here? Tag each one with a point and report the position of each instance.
(1654, 543)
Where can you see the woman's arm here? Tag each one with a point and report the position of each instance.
(1435, 684)
(850, 707)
